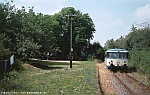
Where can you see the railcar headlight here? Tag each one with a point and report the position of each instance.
(111, 61)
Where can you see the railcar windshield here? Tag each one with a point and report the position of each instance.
(115, 55)
(123, 55)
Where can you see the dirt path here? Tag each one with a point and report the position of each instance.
(107, 83)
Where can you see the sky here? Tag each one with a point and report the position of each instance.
(112, 18)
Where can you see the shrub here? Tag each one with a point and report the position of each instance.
(140, 59)
(17, 65)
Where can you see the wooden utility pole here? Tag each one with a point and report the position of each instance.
(70, 17)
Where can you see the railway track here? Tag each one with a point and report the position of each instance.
(137, 81)
(125, 86)
(131, 85)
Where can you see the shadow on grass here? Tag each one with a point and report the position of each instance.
(44, 67)
(48, 62)
(48, 65)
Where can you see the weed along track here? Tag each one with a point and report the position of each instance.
(144, 87)
(100, 90)
(125, 86)
(131, 85)
(105, 80)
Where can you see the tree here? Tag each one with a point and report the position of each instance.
(138, 38)
(110, 44)
(138, 44)
(6, 10)
(4, 52)
(34, 33)
(83, 29)
(96, 50)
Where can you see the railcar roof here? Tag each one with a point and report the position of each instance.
(116, 50)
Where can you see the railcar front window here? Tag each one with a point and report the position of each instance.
(113, 55)
(123, 55)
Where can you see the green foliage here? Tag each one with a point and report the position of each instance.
(91, 57)
(17, 66)
(139, 39)
(83, 29)
(138, 44)
(110, 44)
(31, 34)
(27, 48)
(95, 50)
(4, 52)
(140, 60)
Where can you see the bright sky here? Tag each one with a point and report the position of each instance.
(112, 18)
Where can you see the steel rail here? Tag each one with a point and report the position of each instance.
(137, 81)
(125, 86)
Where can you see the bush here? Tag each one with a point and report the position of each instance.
(91, 57)
(4, 52)
(17, 65)
(140, 59)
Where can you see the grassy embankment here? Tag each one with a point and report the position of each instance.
(53, 79)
